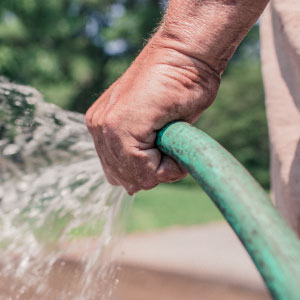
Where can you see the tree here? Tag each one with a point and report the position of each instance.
(72, 50)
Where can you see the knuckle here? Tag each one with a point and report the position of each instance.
(88, 118)
(146, 179)
(162, 174)
(105, 125)
(142, 162)
(132, 189)
(96, 121)
(109, 122)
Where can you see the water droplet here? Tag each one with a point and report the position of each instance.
(54, 198)
(11, 149)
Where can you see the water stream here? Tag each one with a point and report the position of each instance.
(59, 218)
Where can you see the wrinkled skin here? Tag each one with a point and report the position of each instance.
(162, 85)
(175, 77)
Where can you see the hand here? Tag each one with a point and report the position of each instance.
(162, 85)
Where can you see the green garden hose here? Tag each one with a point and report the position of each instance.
(270, 242)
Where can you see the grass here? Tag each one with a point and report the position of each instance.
(171, 204)
(164, 206)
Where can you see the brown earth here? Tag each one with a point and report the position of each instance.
(136, 284)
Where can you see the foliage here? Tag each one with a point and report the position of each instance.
(72, 50)
(170, 204)
(237, 119)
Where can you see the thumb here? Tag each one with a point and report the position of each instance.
(169, 170)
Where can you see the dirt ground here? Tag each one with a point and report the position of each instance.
(136, 284)
(137, 281)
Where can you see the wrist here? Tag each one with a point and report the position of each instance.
(183, 62)
(184, 45)
(194, 78)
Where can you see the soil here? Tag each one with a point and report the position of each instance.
(136, 284)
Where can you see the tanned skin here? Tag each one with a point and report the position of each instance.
(175, 77)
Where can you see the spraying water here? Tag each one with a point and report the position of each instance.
(59, 218)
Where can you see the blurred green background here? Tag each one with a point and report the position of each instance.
(72, 50)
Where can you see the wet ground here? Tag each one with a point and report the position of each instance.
(205, 262)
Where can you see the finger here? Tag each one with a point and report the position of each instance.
(90, 115)
(110, 178)
(145, 164)
(169, 170)
(95, 107)
(131, 189)
(107, 160)
(106, 169)
(119, 158)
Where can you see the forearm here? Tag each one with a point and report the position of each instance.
(208, 30)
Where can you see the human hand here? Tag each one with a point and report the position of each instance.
(162, 85)
(175, 77)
